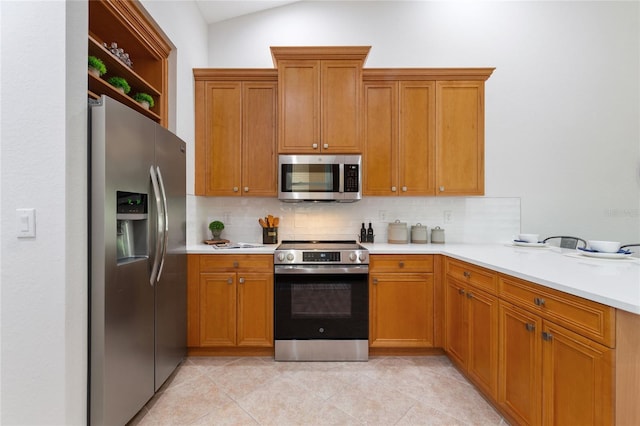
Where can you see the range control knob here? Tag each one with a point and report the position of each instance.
(352, 257)
(362, 257)
(290, 257)
(280, 257)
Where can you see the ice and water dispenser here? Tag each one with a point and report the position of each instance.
(132, 226)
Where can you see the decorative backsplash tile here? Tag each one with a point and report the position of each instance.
(465, 220)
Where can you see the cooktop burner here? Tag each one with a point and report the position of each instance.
(318, 252)
(320, 245)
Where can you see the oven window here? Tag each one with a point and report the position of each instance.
(310, 178)
(320, 300)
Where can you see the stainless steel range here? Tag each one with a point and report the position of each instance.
(321, 301)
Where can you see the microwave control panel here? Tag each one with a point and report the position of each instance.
(351, 178)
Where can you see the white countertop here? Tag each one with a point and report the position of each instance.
(613, 282)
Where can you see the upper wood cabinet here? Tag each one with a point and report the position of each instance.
(125, 23)
(235, 132)
(424, 131)
(399, 134)
(319, 98)
(460, 137)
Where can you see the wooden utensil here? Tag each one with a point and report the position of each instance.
(262, 223)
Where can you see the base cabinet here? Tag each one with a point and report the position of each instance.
(471, 333)
(230, 301)
(551, 375)
(401, 301)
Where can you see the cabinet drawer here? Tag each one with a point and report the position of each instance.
(245, 262)
(401, 263)
(472, 274)
(585, 317)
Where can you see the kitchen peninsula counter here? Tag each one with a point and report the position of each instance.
(613, 282)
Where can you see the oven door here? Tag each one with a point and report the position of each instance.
(321, 302)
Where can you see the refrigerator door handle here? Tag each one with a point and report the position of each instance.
(165, 230)
(160, 226)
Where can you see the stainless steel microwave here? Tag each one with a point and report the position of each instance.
(320, 178)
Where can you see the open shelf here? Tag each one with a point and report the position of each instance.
(126, 23)
(98, 85)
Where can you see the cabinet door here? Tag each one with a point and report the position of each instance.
(520, 365)
(482, 364)
(255, 309)
(259, 165)
(460, 137)
(401, 310)
(577, 383)
(218, 309)
(223, 138)
(340, 112)
(456, 341)
(380, 138)
(299, 106)
(416, 162)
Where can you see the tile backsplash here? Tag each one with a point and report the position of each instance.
(465, 220)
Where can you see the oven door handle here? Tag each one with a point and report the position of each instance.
(321, 269)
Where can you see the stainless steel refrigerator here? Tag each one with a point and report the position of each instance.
(137, 260)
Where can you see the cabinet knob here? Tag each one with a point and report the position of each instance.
(246, 189)
(467, 274)
(441, 188)
(538, 301)
(404, 189)
(393, 189)
(375, 281)
(461, 291)
(325, 146)
(547, 336)
(241, 280)
(235, 189)
(529, 327)
(401, 264)
(314, 146)
(469, 295)
(236, 264)
(229, 280)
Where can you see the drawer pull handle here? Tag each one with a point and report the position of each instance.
(229, 280)
(547, 336)
(236, 264)
(401, 264)
(461, 291)
(538, 301)
(530, 327)
(467, 274)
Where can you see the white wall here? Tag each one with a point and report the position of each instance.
(43, 306)
(562, 107)
(43, 299)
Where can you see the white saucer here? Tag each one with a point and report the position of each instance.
(523, 244)
(602, 255)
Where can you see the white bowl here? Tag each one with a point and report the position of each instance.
(604, 246)
(530, 238)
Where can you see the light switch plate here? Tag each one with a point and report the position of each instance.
(26, 223)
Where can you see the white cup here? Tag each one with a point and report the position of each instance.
(530, 238)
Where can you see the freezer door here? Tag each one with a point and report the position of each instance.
(171, 288)
(122, 298)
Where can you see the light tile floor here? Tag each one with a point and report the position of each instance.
(260, 391)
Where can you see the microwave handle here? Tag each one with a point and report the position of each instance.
(341, 173)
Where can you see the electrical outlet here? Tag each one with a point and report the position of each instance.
(226, 218)
(382, 215)
(448, 216)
